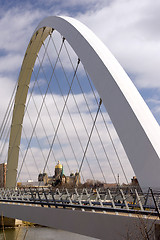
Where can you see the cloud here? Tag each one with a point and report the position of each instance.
(154, 104)
(12, 61)
(6, 87)
(15, 25)
(69, 147)
(130, 29)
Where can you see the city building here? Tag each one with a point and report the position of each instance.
(3, 168)
(59, 178)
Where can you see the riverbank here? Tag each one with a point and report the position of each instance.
(26, 232)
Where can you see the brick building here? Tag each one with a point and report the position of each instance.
(3, 167)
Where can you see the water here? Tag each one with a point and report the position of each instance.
(39, 233)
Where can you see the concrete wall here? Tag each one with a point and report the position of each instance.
(97, 225)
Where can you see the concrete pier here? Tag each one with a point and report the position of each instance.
(9, 222)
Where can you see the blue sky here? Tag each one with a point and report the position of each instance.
(130, 29)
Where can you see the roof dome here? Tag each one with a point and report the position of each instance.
(59, 165)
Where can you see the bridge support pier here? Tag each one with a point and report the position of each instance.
(7, 222)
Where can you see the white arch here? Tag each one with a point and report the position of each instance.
(137, 129)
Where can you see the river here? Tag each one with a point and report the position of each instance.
(39, 233)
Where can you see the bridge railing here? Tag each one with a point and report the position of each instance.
(117, 200)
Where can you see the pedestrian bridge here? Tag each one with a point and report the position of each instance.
(95, 213)
(73, 102)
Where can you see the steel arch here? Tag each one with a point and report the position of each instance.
(137, 129)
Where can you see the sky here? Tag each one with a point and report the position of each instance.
(130, 29)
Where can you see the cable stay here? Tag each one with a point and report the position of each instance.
(95, 129)
(61, 114)
(51, 118)
(40, 110)
(21, 95)
(70, 116)
(4, 134)
(95, 126)
(100, 102)
(37, 142)
(8, 112)
(110, 137)
(78, 112)
(78, 118)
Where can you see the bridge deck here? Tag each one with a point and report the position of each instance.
(92, 212)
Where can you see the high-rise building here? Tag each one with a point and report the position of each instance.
(3, 167)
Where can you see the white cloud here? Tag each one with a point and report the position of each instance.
(64, 151)
(10, 62)
(6, 89)
(130, 29)
(16, 27)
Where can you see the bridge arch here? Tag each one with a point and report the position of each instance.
(137, 129)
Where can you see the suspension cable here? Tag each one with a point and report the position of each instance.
(62, 113)
(40, 110)
(109, 134)
(61, 121)
(8, 112)
(5, 139)
(25, 165)
(37, 141)
(52, 121)
(59, 113)
(28, 100)
(82, 118)
(100, 102)
(6, 120)
(77, 109)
